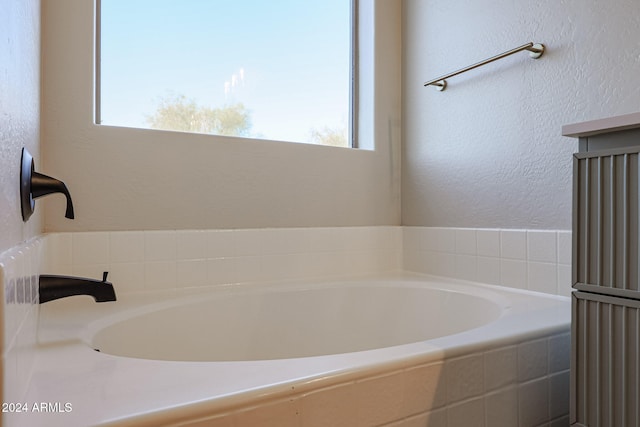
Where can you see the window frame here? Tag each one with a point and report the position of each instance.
(354, 70)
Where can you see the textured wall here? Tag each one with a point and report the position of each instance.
(487, 152)
(19, 111)
(124, 179)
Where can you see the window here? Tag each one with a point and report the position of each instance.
(279, 70)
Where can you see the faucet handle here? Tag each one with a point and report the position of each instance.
(34, 185)
(104, 276)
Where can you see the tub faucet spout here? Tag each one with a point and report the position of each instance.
(53, 287)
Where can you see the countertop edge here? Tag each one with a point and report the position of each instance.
(595, 127)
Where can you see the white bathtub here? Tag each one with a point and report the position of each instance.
(288, 322)
(354, 352)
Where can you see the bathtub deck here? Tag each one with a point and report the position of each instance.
(117, 391)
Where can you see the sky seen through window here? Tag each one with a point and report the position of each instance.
(287, 62)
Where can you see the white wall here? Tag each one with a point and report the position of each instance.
(19, 112)
(19, 127)
(488, 151)
(126, 179)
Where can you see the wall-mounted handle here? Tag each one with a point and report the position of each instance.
(34, 185)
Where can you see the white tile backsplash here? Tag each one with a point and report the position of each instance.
(219, 243)
(160, 245)
(445, 239)
(513, 273)
(466, 267)
(126, 246)
(564, 247)
(146, 260)
(247, 243)
(90, 248)
(466, 241)
(542, 277)
(537, 260)
(513, 244)
(542, 246)
(158, 275)
(488, 270)
(191, 245)
(221, 271)
(192, 272)
(488, 242)
(58, 252)
(131, 273)
(19, 269)
(564, 280)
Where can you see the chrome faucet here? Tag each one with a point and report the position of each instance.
(53, 287)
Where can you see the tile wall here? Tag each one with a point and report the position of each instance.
(147, 260)
(519, 385)
(538, 260)
(19, 269)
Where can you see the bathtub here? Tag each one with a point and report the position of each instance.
(390, 350)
